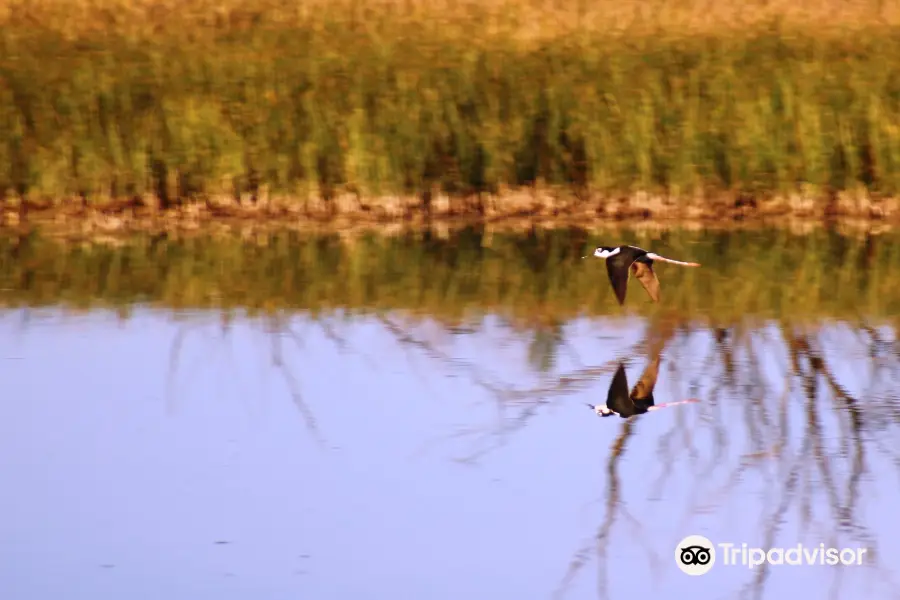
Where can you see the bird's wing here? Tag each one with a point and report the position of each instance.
(617, 397)
(644, 273)
(653, 256)
(643, 389)
(617, 269)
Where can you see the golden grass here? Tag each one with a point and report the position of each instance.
(527, 19)
(201, 98)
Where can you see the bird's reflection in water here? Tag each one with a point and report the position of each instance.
(639, 400)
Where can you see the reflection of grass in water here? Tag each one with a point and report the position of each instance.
(799, 431)
(125, 97)
(812, 473)
(538, 278)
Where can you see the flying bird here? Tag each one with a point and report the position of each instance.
(621, 402)
(622, 261)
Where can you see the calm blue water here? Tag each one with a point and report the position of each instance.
(174, 457)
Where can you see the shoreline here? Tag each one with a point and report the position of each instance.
(513, 210)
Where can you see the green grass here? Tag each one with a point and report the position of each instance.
(537, 278)
(198, 103)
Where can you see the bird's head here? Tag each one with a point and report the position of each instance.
(604, 252)
(601, 410)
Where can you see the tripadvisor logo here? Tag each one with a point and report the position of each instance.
(696, 555)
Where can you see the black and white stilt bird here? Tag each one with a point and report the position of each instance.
(622, 261)
(621, 402)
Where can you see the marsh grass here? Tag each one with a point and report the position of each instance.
(536, 278)
(119, 98)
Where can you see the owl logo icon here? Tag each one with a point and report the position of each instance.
(695, 555)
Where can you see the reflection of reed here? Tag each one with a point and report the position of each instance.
(282, 330)
(613, 508)
(528, 279)
(804, 434)
(277, 329)
(735, 371)
(801, 477)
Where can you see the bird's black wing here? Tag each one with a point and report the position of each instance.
(617, 268)
(617, 398)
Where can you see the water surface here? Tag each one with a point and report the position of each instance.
(159, 440)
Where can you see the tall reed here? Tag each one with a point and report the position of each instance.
(196, 98)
